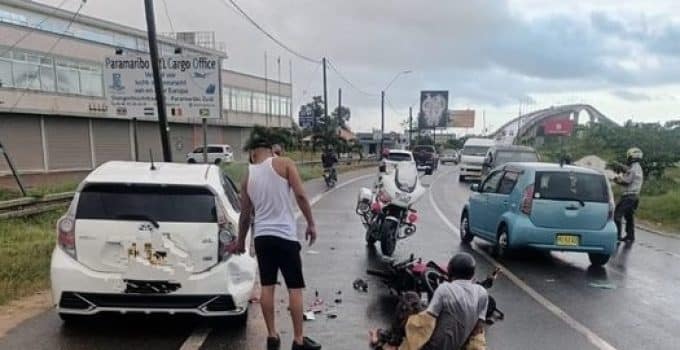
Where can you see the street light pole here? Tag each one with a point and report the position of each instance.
(382, 122)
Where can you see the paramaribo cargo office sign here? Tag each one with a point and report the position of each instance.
(191, 86)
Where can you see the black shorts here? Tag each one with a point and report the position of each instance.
(274, 253)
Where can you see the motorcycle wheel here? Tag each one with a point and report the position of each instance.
(388, 240)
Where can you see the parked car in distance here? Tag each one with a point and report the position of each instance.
(217, 154)
(426, 158)
(146, 239)
(472, 157)
(449, 156)
(498, 155)
(543, 206)
(397, 156)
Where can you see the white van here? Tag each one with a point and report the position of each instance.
(472, 157)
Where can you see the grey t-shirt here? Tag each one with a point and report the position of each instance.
(458, 306)
(633, 180)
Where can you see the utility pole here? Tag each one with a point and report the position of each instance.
(290, 81)
(266, 89)
(325, 92)
(278, 84)
(382, 122)
(158, 84)
(410, 127)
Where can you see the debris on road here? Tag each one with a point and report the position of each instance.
(360, 285)
(338, 301)
(308, 316)
(602, 285)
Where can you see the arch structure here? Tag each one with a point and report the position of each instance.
(531, 124)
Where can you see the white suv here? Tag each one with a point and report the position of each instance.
(151, 239)
(217, 154)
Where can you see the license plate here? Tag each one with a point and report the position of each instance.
(567, 240)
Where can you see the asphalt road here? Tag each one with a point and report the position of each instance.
(548, 299)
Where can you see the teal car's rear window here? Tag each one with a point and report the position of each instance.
(564, 185)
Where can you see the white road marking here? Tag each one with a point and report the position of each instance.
(592, 337)
(200, 335)
(196, 339)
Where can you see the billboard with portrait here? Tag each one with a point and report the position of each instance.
(434, 107)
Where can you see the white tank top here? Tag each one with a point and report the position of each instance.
(272, 200)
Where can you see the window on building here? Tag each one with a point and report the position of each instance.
(6, 79)
(26, 70)
(91, 80)
(242, 100)
(275, 105)
(285, 106)
(226, 98)
(259, 103)
(47, 81)
(68, 78)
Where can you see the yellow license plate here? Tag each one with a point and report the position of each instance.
(567, 240)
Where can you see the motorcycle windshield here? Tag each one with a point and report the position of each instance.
(406, 176)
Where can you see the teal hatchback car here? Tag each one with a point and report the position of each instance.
(543, 206)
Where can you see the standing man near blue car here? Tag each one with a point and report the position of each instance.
(630, 197)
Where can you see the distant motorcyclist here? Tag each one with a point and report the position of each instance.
(631, 181)
(328, 161)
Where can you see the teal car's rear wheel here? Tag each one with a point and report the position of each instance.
(502, 246)
(598, 259)
(465, 235)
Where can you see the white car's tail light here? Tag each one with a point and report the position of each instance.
(66, 235)
(527, 200)
(227, 232)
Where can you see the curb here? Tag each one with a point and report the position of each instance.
(657, 232)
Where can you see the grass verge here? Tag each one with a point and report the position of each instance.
(662, 211)
(25, 249)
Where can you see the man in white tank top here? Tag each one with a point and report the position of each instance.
(266, 203)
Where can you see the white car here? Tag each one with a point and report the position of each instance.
(142, 238)
(217, 154)
(397, 156)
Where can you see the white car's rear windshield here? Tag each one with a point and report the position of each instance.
(399, 157)
(571, 186)
(479, 151)
(146, 202)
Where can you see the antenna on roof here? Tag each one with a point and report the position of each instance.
(153, 166)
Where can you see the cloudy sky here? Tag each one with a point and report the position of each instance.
(497, 56)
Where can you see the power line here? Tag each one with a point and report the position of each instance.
(266, 33)
(34, 28)
(167, 14)
(49, 51)
(344, 78)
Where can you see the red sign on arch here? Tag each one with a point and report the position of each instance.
(562, 127)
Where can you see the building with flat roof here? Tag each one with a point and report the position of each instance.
(54, 115)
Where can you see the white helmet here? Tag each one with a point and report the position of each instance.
(634, 153)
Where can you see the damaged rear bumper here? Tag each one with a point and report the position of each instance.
(224, 290)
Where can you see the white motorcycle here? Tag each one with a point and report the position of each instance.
(387, 212)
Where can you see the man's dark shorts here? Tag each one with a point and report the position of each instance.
(274, 253)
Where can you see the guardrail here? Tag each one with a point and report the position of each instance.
(30, 205)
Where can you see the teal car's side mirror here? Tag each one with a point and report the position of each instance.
(474, 187)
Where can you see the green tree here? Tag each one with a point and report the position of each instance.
(342, 114)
